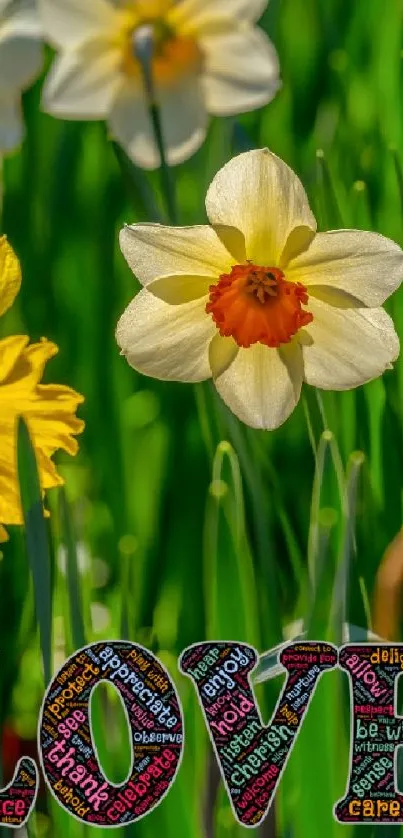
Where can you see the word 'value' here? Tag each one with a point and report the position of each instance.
(251, 756)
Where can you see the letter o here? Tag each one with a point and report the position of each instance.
(104, 795)
(226, 717)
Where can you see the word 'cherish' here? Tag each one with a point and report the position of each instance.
(251, 756)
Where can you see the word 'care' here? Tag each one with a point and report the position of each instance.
(251, 756)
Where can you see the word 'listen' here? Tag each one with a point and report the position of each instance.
(251, 756)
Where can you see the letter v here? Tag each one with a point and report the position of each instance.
(252, 756)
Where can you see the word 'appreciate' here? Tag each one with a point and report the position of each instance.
(251, 756)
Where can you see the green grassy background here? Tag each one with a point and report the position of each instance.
(178, 523)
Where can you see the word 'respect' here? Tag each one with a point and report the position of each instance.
(251, 756)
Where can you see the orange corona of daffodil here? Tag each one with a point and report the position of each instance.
(259, 300)
(48, 409)
(207, 57)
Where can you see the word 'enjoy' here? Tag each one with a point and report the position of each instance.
(251, 756)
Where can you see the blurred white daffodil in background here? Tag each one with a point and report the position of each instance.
(208, 58)
(21, 58)
(260, 301)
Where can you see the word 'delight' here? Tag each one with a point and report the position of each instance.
(251, 756)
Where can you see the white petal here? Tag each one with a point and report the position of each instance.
(83, 83)
(21, 20)
(183, 117)
(262, 386)
(261, 196)
(153, 250)
(365, 265)
(205, 16)
(70, 22)
(347, 346)
(241, 71)
(166, 342)
(11, 124)
(21, 53)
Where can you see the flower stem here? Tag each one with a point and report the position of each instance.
(144, 50)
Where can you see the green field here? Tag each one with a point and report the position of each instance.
(178, 523)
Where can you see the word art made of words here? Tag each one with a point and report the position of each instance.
(251, 756)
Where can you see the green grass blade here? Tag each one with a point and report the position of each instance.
(37, 542)
(75, 604)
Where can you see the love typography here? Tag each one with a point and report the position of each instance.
(251, 756)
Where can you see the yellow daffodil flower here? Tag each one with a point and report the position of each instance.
(48, 409)
(208, 57)
(20, 63)
(258, 300)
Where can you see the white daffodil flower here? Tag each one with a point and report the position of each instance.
(260, 301)
(208, 58)
(21, 60)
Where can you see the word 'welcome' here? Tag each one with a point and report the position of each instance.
(251, 756)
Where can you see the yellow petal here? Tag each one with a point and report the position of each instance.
(48, 409)
(262, 386)
(366, 265)
(347, 346)
(169, 342)
(3, 535)
(10, 275)
(222, 353)
(261, 196)
(176, 290)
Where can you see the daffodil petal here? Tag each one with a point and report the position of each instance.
(48, 409)
(233, 240)
(70, 22)
(10, 350)
(83, 83)
(222, 353)
(347, 347)
(21, 19)
(21, 51)
(366, 265)
(260, 195)
(10, 275)
(166, 342)
(241, 71)
(201, 16)
(262, 386)
(183, 117)
(3, 535)
(153, 250)
(179, 289)
(11, 124)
